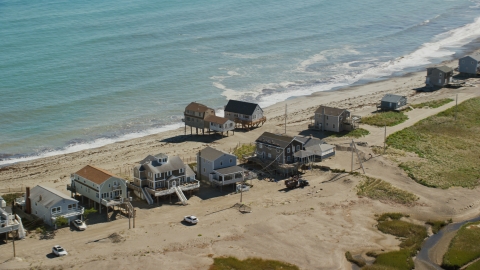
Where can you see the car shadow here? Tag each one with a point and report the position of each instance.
(187, 223)
(51, 256)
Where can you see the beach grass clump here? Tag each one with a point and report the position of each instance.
(449, 147)
(432, 104)
(244, 150)
(356, 133)
(437, 225)
(378, 189)
(411, 237)
(381, 119)
(358, 262)
(464, 247)
(228, 263)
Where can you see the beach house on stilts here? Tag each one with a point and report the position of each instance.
(100, 188)
(246, 114)
(161, 175)
(199, 116)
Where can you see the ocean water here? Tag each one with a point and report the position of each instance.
(82, 74)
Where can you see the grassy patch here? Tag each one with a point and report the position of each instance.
(450, 147)
(411, 237)
(244, 150)
(433, 103)
(10, 197)
(437, 225)
(230, 263)
(356, 133)
(358, 262)
(474, 266)
(381, 119)
(464, 247)
(383, 191)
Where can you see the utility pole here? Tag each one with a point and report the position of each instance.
(13, 241)
(285, 118)
(351, 145)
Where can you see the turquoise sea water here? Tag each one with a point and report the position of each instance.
(76, 75)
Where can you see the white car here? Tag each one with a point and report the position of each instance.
(59, 251)
(191, 219)
(80, 224)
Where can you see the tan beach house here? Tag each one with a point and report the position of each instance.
(99, 186)
(199, 116)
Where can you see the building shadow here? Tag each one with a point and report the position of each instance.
(207, 138)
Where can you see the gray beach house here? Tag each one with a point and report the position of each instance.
(218, 167)
(160, 175)
(333, 119)
(391, 102)
(49, 204)
(439, 76)
(246, 114)
(469, 65)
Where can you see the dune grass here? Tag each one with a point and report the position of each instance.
(356, 133)
(411, 237)
(450, 147)
(474, 266)
(244, 150)
(432, 104)
(437, 225)
(381, 119)
(464, 247)
(378, 189)
(232, 263)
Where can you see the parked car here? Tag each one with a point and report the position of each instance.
(191, 219)
(59, 251)
(80, 224)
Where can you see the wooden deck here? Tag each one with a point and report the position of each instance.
(250, 124)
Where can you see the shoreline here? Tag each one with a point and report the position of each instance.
(473, 47)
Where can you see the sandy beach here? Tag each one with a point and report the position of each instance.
(311, 227)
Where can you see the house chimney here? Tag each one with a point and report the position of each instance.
(28, 205)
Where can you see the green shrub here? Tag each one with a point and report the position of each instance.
(464, 247)
(400, 260)
(437, 225)
(381, 119)
(88, 212)
(61, 221)
(244, 150)
(378, 189)
(232, 263)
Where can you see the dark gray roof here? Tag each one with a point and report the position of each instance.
(228, 170)
(445, 69)
(48, 197)
(242, 107)
(474, 57)
(212, 154)
(392, 98)
(330, 110)
(274, 139)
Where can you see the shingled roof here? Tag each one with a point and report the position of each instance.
(274, 139)
(242, 107)
(197, 107)
(216, 119)
(391, 98)
(47, 196)
(211, 154)
(445, 69)
(94, 174)
(330, 110)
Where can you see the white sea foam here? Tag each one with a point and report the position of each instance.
(93, 144)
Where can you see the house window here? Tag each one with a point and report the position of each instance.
(440, 74)
(288, 158)
(203, 169)
(298, 147)
(333, 125)
(96, 195)
(230, 160)
(269, 155)
(260, 145)
(288, 150)
(221, 163)
(327, 117)
(70, 207)
(56, 210)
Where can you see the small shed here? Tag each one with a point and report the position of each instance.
(391, 102)
(469, 65)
